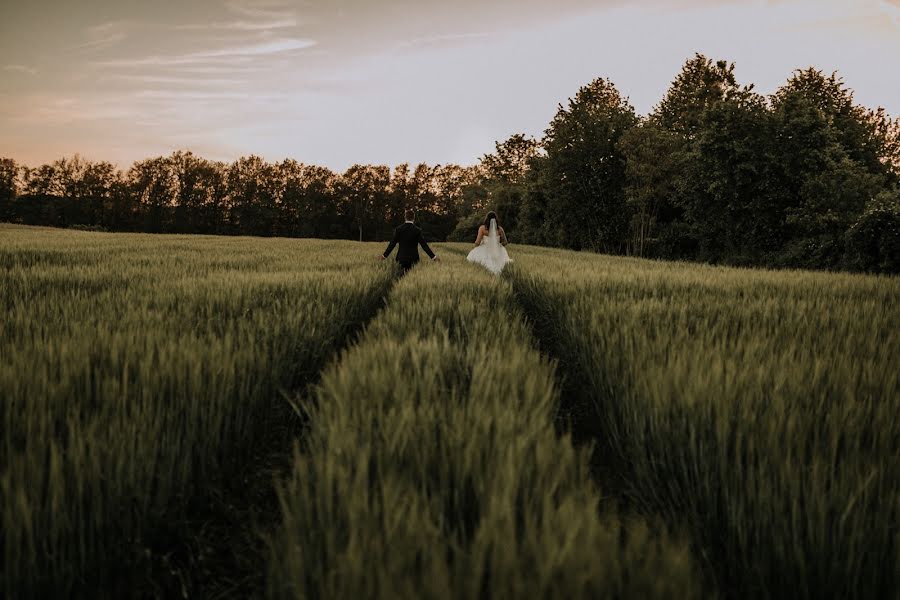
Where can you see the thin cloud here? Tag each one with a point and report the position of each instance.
(169, 95)
(442, 40)
(170, 107)
(241, 25)
(209, 69)
(253, 16)
(103, 35)
(21, 69)
(161, 79)
(273, 47)
(45, 109)
(261, 9)
(239, 53)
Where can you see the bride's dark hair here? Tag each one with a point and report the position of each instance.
(487, 220)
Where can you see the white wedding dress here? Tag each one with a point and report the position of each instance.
(490, 254)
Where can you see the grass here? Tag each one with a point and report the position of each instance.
(758, 408)
(139, 373)
(432, 468)
(153, 386)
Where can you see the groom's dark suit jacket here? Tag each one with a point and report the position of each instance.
(409, 238)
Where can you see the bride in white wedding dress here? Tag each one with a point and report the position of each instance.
(490, 246)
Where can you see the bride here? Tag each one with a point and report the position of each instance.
(490, 246)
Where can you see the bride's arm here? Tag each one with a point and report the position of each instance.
(503, 240)
(480, 236)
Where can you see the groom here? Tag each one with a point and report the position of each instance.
(409, 237)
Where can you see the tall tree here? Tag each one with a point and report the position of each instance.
(153, 183)
(44, 180)
(826, 169)
(98, 187)
(700, 84)
(459, 190)
(9, 172)
(506, 171)
(873, 242)
(199, 186)
(655, 159)
(720, 200)
(309, 201)
(252, 189)
(728, 187)
(402, 195)
(366, 190)
(868, 137)
(510, 161)
(583, 175)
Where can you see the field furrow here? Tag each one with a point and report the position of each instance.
(154, 387)
(758, 409)
(432, 468)
(140, 374)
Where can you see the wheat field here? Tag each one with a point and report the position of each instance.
(757, 408)
(584, 426)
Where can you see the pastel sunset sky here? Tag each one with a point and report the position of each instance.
(337, 82)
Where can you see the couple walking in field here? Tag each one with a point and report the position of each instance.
(489, 251)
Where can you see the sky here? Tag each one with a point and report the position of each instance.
(338, 82)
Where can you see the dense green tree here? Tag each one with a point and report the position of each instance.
(153, 183)
(253, 193)
(511, 160)
(199, 194)
(309, 200)
(505, 173)
(402, 196)
(685, 172)
(534, 226)
(873, 242)
(473, 198)
(824, 173)
(44, 180)
(655, 159)
(868, 137)
(459, 186)
(726, 188)
(97, 190)
(700, 84)
(430, 207)
(583, 175)
(365, 188)
(9, 186)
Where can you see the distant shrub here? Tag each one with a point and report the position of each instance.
(80, 227)
(873, 242)
(466, 228)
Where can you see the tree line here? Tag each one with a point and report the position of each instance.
(717, 172)
(185, 193)
(805, 177)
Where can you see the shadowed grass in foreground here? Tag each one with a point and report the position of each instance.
(138, 373)
(432, 468)
(758, 408)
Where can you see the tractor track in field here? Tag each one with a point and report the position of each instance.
(566, 374)
(452, 472)
(225, 552)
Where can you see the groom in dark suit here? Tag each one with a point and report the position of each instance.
(409, 238)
